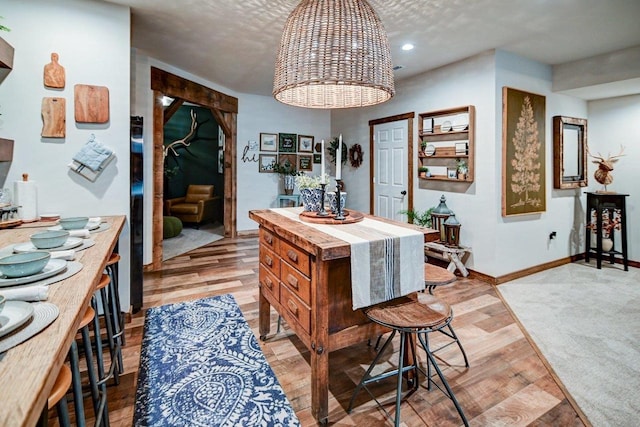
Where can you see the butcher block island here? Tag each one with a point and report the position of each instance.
(305, 274)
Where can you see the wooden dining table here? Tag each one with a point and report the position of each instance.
(305, 274)
(28, 371)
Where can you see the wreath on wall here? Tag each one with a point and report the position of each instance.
(333, 147)
(355, 155)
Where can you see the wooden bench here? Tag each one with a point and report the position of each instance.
(455, 256)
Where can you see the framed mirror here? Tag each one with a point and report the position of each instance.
(569, 152)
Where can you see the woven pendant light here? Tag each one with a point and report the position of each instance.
(333, 54)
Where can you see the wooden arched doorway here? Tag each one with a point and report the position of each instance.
(225, 110)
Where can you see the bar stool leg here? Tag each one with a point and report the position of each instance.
(100, 405)
(432, 361)
(366, 375)
(78, 400)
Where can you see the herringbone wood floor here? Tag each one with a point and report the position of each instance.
(507, 383)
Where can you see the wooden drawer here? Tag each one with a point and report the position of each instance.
(296, 257)
(295, 308)
(270, 240)
(269, 282)
(296, 282)
(270, 260)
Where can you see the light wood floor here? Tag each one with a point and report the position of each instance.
(507, 383)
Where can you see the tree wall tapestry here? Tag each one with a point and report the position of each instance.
(523, 152)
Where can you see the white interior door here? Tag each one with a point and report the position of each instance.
(390, 171)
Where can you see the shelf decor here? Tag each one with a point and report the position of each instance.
(523, 154)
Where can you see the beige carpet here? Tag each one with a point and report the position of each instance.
(190, 239)
(586, 323)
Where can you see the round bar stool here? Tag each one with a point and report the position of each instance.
(409, 317)
(114, 300)
(58, 395)
(435, 276)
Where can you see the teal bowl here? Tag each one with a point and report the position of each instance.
(75, 223)
(49, 239)
(24, 264)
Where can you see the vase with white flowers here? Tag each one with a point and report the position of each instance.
(310, 192)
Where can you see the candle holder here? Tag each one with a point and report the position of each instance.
(322, 212)
(339, 214)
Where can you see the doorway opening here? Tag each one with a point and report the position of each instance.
(224, 109)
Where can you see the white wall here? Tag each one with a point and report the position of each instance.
(499, 245)
(256, 114)
(614, 123)
(523, 241)
(92, 40)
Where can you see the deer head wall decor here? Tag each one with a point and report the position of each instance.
(605, 166)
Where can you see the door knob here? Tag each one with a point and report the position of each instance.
(403, 192)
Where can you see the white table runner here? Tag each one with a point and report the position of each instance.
(386, 260)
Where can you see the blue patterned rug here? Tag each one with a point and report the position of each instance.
(201, 365)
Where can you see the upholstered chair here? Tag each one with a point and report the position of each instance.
(197, 206)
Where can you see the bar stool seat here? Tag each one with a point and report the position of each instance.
(418, 315)
(58, 396)
(437, 276)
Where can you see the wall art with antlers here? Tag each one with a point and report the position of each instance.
(605, 166)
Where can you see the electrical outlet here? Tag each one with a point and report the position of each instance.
(552, 235)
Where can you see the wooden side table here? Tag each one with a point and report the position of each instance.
(455, 256)
(611, 202)
(290, 199)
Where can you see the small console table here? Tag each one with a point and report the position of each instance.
(290, 199)
(610, 202)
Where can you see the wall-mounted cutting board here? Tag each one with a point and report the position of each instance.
(53, 117)
(91, 104)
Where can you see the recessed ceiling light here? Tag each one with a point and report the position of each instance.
(407, 46)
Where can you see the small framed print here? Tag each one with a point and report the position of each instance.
(287, 142)
(266, 162)
(461, 148)
(452, 173)
(305, 144)
(288, 161)
(317, 158)
(268, 142)
(305, 162)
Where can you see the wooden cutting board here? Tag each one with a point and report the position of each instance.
(91, 104)
(53, 117)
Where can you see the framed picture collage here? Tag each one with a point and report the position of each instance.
(297, 151)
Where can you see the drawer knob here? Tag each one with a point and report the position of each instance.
(269, 283)
(268, 260)
(292, 281)
(292, 255)
(268, 238)
(292, 307)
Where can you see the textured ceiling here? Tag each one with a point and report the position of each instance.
(234, 42)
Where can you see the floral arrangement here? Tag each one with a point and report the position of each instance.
(306, 181)
(610, 223)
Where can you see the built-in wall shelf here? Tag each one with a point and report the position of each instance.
(447, 139)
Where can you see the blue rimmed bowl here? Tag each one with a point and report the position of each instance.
(74, 223)
(24, 264)
(49, 239)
